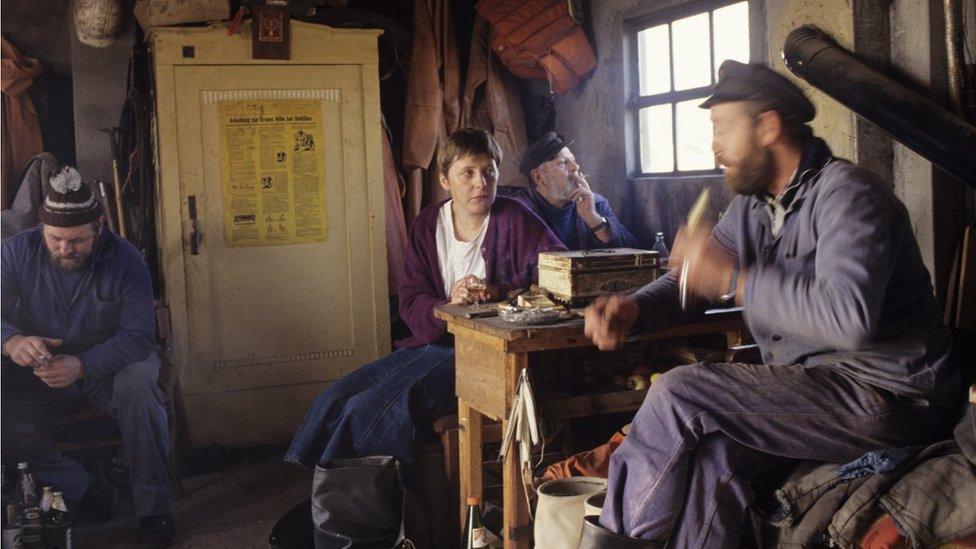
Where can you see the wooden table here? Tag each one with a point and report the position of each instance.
(490, 355)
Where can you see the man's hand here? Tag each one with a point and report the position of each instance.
(586, 207)
(60, 372)
(585, 203)
(707, 268)
(472, 289)
(608, 320)
(30, 351)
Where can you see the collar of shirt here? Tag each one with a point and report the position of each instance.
(815, 155)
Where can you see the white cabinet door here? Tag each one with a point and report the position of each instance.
(268, 327)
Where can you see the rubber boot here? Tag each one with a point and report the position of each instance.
(597, 537)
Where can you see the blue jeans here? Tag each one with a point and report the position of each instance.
(705, 430)
(132, 396)
(377, 409)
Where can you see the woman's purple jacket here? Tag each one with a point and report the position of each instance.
(511, 248)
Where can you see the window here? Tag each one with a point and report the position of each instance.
(674, 62)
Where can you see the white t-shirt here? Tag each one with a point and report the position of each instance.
(458, 259)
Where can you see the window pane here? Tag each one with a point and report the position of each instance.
(654, 60)
(731, 33)
(692, 45)
(656, 145)
(694, 137)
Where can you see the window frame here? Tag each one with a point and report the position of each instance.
(635, 101)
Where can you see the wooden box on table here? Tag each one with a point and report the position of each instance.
(577, 277)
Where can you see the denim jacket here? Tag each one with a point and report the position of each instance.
(841, 285)
(110, 321)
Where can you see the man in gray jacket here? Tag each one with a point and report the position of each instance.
(822, 256)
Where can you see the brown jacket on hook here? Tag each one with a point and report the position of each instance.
(492, 102)
(433, 106)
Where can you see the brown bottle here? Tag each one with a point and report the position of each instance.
(57, 524)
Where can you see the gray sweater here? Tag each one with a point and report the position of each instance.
(842, 285)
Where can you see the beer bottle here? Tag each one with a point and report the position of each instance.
(46, 497)
(26, 487)
(31, 535)
(57, 524)
(475, 534)
(12, 529)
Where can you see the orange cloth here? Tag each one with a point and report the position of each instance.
(592, 463)
(21, 128)
(884, 534)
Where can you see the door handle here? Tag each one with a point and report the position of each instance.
(194, 229)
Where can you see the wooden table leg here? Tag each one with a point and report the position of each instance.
(469, 458)
(518, 523)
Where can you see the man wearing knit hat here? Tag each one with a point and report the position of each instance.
(561, 196)
(79, 326)
(822, 257)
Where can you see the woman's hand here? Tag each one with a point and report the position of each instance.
(472, 289)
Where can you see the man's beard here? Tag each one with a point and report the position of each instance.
(564, 193)
(754, 175)
(68, 263)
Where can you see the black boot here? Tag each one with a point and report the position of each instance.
(597, 537)
(156, 530)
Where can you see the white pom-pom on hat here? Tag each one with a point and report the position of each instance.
(66, 180)
(70, 202)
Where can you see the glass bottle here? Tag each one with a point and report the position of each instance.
(475, 533)
(26, 487)
(47, 497)
(662, 250)
(57, 524)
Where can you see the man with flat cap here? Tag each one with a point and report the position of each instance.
(822, 256)
(561, 196)
(79, 327)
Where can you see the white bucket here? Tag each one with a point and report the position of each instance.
(559, 511)
(594, 504)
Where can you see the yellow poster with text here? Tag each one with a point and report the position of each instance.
(273, 173)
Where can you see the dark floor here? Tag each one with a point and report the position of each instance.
(233, 507)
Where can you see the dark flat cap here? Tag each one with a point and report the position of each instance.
(742, 82)
(543, 150)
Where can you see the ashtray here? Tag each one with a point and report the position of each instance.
(532, 316)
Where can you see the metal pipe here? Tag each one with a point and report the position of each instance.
(923, 126)
(954, 64)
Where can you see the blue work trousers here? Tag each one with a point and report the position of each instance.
(132, 396)
(705, 430)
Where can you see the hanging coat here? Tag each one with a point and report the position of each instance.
(396, 230)
(432, 109)
(21, 127)
(492, 102)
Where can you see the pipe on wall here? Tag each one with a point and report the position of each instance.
(923, 126)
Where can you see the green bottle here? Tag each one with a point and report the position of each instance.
(57, 524)
(475, 533)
